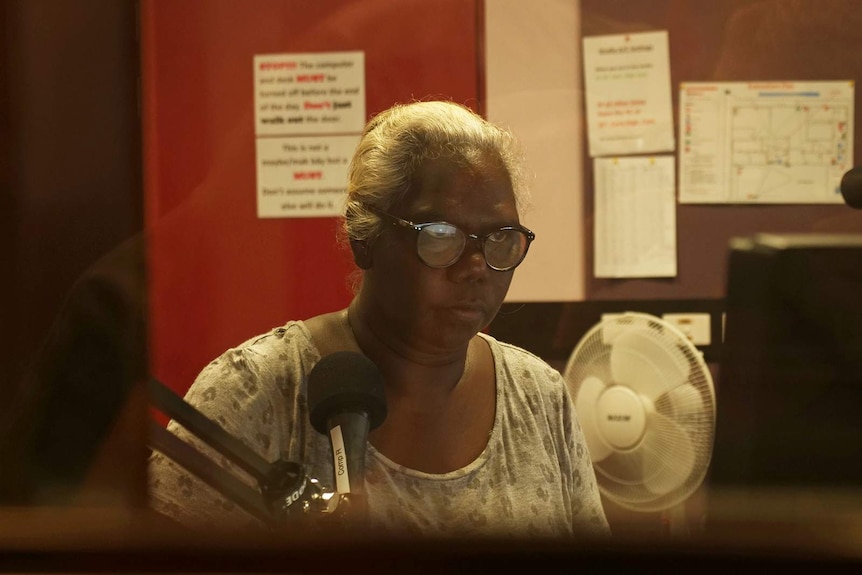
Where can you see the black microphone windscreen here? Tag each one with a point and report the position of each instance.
(345, 381)
(851, 188)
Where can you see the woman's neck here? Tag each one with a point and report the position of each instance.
(408, 371)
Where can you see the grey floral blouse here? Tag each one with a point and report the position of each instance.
(533, 479)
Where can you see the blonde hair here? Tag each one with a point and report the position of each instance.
(399, 141)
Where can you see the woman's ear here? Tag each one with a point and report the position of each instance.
(361, 253)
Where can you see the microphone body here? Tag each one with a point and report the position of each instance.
(348, 434)
(346, 400)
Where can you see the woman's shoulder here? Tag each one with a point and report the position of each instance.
(279, 343)
(512, 354)
(258, 360)
(523, 365)
(294, 333)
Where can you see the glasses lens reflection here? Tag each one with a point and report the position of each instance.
(505, 248)
(440, 245)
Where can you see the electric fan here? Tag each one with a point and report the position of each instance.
(646, 403)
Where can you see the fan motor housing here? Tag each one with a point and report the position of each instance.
(622, 417)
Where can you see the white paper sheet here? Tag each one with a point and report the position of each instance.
(765, 142)
(309, 112)
(635, 217)
(532, 88)
(628, 95)
(303, 176)
(309, 94)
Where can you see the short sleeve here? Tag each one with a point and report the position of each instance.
(249, 391)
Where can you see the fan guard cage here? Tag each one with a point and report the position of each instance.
(667, 375)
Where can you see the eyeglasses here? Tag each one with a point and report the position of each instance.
(440, 244)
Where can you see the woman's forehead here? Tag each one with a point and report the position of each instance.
(444, 181)
(473, 201)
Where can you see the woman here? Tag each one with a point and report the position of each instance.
(480, 437)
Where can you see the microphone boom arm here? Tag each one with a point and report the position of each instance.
(285, 491)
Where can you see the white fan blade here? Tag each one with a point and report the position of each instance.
(682, 401)
(622, 468)
(668, 453)
(640, 361)
(586, 401)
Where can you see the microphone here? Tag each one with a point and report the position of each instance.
(851, 188)
(346, 400)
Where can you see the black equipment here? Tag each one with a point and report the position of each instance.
(790, 386)
(851, 188)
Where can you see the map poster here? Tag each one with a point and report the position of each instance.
(765, 142)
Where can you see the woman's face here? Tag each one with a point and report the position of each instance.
(434, 310)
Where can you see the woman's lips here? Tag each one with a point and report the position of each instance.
(467, 311)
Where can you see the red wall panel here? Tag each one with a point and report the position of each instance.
(218, 274)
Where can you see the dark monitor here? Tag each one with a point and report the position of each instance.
(789, 394)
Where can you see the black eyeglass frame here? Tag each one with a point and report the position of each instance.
(396, 221)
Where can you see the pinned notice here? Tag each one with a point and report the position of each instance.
(765, 142)
(309, 93)
(628, 96)
(309, 112)
(635, 233)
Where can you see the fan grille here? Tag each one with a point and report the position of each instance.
(656, 361)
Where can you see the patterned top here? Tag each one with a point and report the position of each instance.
(533, 479)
